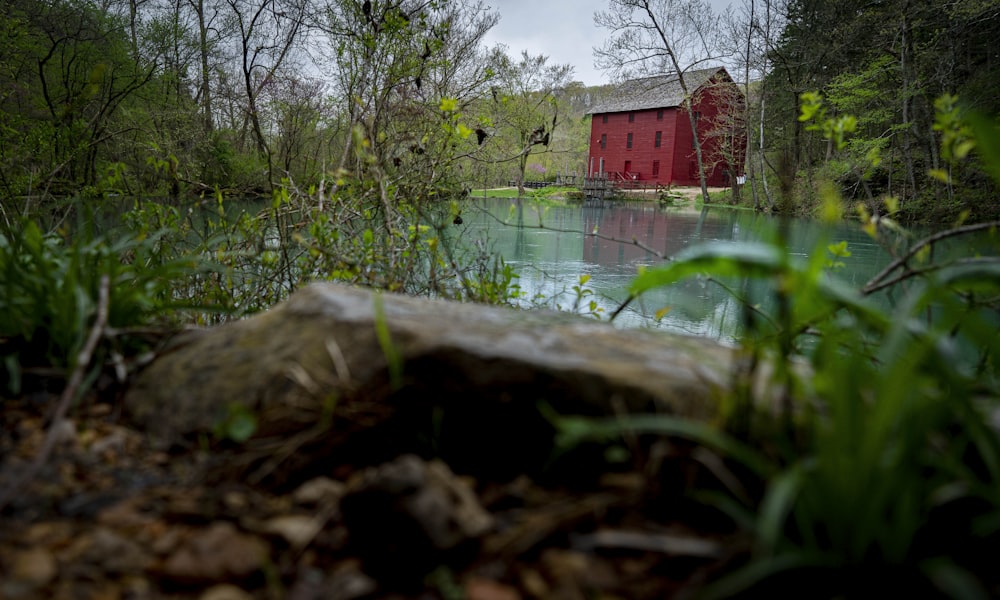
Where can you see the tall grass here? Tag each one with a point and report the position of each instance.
(877, 459)
(49, 286)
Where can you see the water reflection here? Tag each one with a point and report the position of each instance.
(549, 248)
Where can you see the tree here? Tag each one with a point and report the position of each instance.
(298, 106)
(404, 72)
(886, 63)
(268, 32)
(205, 46)
(724, 140)
(72, 71)
(649, 37)
(525, 107)
(748, 40)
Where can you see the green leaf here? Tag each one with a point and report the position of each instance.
(719, 259)
(776, 506)
(953, 580)
(811, 106)
(839, 249)
(242, 426)
(238, 425)
(939, 174)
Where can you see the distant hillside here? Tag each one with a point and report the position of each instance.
(579, 98)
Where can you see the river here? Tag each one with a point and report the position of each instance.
(548, 247)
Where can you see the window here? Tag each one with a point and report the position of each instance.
(656, 168)
(631, 117)
(659, 136)
(604, 141)
(604, 118)
(659, 115)
(628, 143)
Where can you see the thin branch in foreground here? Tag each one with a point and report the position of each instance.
(875, 283)
(69, 392)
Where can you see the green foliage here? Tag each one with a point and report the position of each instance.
(49, 284)
(834, 129)
(69, 72)
(265, 252)
(393, 358)
(887, 65)
(545, 194)
(891, 443)
(238, 425)
(874, 449)
(580, 294)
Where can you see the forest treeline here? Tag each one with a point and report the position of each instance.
(896, 66)
(401, 100)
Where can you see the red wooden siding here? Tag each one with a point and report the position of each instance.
(675, 154)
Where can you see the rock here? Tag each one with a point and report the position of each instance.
(225, 592)
(409, 515)
(346, 582)
(479, 588)
(487, 366)
(297, 530)
(318, 490)
(107, 551)
(32, 569)
(63, 431)
(215, 554)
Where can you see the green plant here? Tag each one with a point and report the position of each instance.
(265, 251)
(876, 457)
(238, 425)
(889, 445)
(50, 284)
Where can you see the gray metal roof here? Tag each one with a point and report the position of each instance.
(661, 91)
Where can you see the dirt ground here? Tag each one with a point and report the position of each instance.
(110, 517)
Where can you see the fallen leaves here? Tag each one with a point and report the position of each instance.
(218, 553)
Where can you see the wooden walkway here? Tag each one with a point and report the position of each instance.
(608, 187)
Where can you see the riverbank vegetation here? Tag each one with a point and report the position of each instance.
(184, 100)
(132, 134)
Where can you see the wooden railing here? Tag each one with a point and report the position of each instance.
(613, 183)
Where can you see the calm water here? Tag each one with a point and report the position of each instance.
(548, 248)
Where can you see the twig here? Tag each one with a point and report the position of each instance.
(69, 392)
(875, 282)
(871, 288)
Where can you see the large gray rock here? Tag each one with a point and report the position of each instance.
(317, 359)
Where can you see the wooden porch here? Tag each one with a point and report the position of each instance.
(613, 184)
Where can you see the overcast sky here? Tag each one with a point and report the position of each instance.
(563, 30)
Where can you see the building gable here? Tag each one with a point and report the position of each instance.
(661, 91)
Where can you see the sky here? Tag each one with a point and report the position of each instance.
(563, 30)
